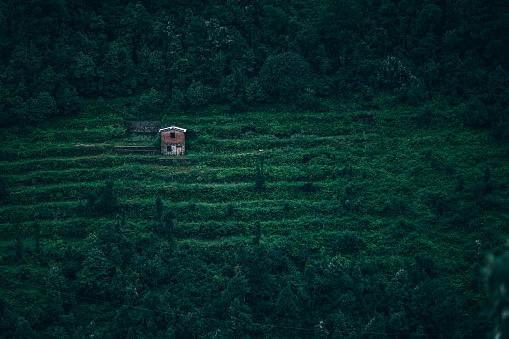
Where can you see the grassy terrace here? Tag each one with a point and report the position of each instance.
(401, 185)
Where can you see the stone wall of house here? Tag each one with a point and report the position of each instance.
(173, 149)
(144, 127)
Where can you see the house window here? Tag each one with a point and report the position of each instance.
(172, 135)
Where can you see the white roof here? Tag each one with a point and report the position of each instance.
(166, 129)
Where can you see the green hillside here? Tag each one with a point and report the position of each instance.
(375, 221)
(345, 173)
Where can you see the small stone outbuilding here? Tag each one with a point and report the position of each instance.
(142, 127)
(173, 140)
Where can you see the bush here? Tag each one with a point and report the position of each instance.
(309, 102)
(157, 141)
(237, 106)
(191, 206)
(103, 202)
(309, 187)
(230, 208)
(210, 229)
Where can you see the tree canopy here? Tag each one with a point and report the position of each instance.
(56, 53)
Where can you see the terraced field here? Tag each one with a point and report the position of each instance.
(401, 186)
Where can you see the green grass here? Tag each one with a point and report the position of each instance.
(392, 180)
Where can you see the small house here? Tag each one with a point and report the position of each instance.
(173, 140)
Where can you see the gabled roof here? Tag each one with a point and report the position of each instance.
(167, 129)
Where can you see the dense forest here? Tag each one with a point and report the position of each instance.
(347, 173)
(183, 54)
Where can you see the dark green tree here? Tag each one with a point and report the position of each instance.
(259, 179)
(339, 29)
(487, 174)
(230, 209)
(24, 330)
(121, 323)
(287, 307)
(168, 226)
(4, 194)
(37, 232)
(118, 68)
(150, 105)
(434, 305)
(41, 107)
(95, 275)
(159, 208)
(258, 233)
(375, 328)
(309, 187)
(497, 279)
(19, 251)
(83, 72)
(197, 94)
(461, 182)
(68, 100)
(283, 76)
(107, 201)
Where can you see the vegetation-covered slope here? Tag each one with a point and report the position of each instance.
(181, 54)
(363, 221)
(347, 170)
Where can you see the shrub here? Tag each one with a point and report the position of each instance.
(104, 202)
(157, 141)
(191, 206)
(309, 102)
(210, 229)
(309, 187)
(230, 208)
(159, 208)
(237, 106)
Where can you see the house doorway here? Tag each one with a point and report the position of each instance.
(179, 150)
